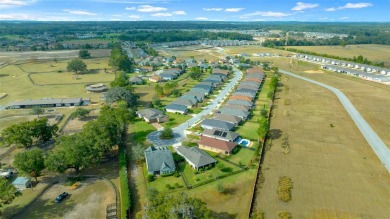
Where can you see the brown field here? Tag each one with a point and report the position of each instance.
(334, 171)
(375, 53)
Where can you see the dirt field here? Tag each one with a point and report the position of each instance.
(334, 171)
(88, 201)
(376, 53)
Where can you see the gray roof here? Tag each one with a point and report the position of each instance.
(220, 134)
(136, 79)
(249, 87)
(246, 90)
(151, 113)
(196, 156)
(241, 107)
(198, 95)
(240, 102)
(45, 101)
(213, 123)
(234, 112)
(227, 118)
(177, 107)
(185, 102)
(199, 89)
(190, 98)
(204, 86)
(160, 159)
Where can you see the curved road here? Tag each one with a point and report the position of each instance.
(179, 130)
(380, 149)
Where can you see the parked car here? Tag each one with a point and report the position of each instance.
(61, 197)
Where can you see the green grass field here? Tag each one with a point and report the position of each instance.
(373, 52)
(139, 129)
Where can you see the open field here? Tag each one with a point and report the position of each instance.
(88, 201)
(334, 171)
(373, 52)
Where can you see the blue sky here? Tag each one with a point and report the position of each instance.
(202, 10)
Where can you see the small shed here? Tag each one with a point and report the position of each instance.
(22, 183)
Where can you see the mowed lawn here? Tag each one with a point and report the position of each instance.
(373, 52)
(139, 129)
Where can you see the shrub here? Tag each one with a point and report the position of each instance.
(284, 190)
(150, 178)
(284, 215)
(177, 174)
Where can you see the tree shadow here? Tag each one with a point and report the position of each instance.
(3, 75)
(275, 134)
(89, 71)
(223, 215)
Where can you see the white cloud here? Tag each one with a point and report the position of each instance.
(130, 8)
(14, 3)
(234, 9)
(344, 18)
(212, 9)
(162, 15)
(201, 18)
(115, 19)
(149, 8)
(265, 14)
(179, 12)
(80, 12)
(303, 6)
(134, 17)
(350, 6)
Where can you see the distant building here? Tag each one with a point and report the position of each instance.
(22, 183)
(159, 161)
(48, 102)
(155, 78)
(176, 108)
(96, 87)
(216, 124)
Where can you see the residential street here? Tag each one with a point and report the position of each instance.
(380, 149)
(179, 130)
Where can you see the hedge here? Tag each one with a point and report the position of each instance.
(124, 184)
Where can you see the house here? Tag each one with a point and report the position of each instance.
(159, 161)
(240, 107)
(228, 118)
(168, 76)
(246, 90)
(146, 69)
(257, 80)
(136, 80)
(245, 94)
(198, 95)
(216, 145)
(190, 60)
(239, 102)
(190, 65)
(152, 115)
(221, 135)
(205, 91)
(239, 97)
(255, 70)
(176, 108)
(22, 183)
(155, 78)
(195, 157)
(48, 102)
(193, 99)
(218, 124)
(96, 87)
(206, 87)
(186, 102)
(235, 112)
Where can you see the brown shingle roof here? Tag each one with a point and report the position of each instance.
(253, 79)
(237, 97)
(155, 78)
(255, 70)
(219, 144)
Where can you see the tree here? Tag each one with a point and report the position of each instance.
(263, 128)
(167, 133)
(121, 93)
(221, 188)
(156, 101)
(24, 133)
(30, 162)
(177, 205)
(37, 111)
(195, 73)
(84, 54)
(159, 90)
(8, 192)
(76, 65)
(80, 113)
(137, 152)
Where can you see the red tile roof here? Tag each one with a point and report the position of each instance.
(219, 144)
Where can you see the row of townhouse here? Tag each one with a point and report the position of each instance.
(197, 93)
(217, 135)
(357, 73)
(346, 64)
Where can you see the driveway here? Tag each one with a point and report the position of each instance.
(380, 149)
(179, 130)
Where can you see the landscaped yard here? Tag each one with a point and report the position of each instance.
(175, 120)
(161, 183)
(139, 129)
(243, 155)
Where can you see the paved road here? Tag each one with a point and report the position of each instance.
(179, 130)
(380, 149)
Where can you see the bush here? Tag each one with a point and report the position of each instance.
(150, 178)
(284, 190)
(123, 184)
(167, 133)
(177, 174)
(284, 215)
